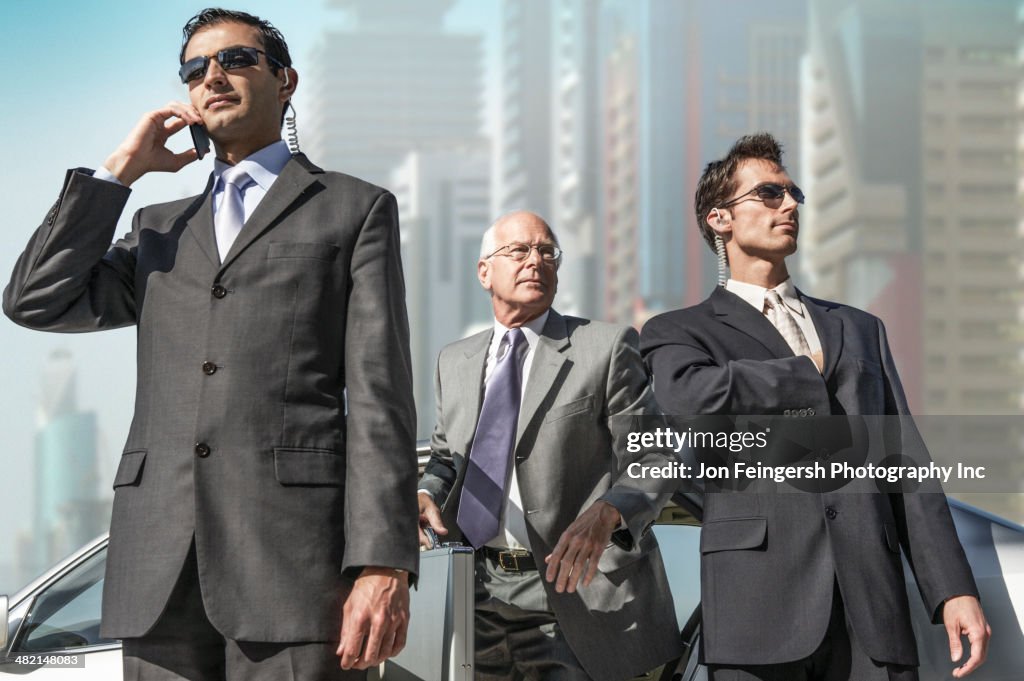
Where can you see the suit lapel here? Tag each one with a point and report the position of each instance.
(741, 315)
(297, 175)
(830, 331)
(469, 382)
(200, 223)
(548, 358)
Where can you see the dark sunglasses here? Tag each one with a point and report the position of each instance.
(231, 58)
(770, 191)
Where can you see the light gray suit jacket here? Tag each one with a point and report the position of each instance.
(240, 436)
(586, 390)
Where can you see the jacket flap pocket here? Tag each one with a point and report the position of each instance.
(733, 534)
(129, 470)
(892, 537)
(299, 466)
(296, 249)
(615, 557)
(583, 404)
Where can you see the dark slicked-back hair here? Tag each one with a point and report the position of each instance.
(718, 183)
(273, 42)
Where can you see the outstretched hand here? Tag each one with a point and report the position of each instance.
(574, 559)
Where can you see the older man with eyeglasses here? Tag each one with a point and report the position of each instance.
(805, 585)
(264, 510)
(529, 466)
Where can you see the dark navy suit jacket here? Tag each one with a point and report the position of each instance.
(769, 561)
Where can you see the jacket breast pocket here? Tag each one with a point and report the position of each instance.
(309, 467)
(302, 250)
(733, 534)
(129, 470)
(579, 406)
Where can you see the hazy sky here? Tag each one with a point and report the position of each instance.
(80, 76)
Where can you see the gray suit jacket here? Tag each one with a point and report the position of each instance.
(769, 561)
(587, 389)
(240, 436)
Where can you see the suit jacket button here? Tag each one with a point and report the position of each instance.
(218, 291)
(831, 512)
(209, 368)
(810, 411)
(202, 450)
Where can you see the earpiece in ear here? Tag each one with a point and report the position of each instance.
(287, 76)
(718, 217)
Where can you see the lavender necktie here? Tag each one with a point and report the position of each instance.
(230, 217)
(483, 492)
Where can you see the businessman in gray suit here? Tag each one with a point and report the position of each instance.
(803, 585)
(266, 493)
(529, 465)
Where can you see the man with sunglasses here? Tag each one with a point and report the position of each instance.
(801, 585)
(264, 511)
(529, 465)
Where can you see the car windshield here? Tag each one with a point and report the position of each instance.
(67, 613)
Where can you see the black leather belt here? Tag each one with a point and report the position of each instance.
(511, 560)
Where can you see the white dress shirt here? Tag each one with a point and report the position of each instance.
(755, 295)
(262, 166)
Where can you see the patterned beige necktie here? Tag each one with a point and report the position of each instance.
(778, 314)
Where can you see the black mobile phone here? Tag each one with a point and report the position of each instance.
(200, 140)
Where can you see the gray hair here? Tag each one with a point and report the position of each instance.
(487, 245)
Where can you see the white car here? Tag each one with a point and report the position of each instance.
(53, 625)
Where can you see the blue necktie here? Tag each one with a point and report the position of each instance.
(483, 492)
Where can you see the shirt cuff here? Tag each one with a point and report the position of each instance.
(102, 173)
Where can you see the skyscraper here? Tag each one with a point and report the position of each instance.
(909, 128)
(523, 142)
(575, 177)
(696, 76)
(547, 143)
(620, 184)
(912, 210)
(444, 200)
(391, 81)
(67, 507)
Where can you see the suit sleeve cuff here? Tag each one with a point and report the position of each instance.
(102, 173)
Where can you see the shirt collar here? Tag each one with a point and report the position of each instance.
(531, 330)
(262, 166)
(754, 294)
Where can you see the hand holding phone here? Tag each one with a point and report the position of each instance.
(145, 149)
